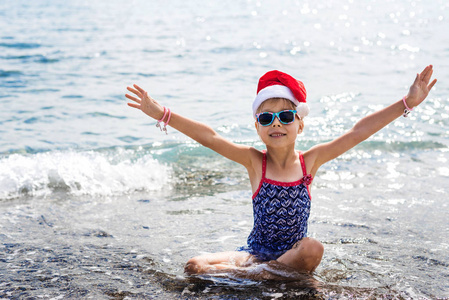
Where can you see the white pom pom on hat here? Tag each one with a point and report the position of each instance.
(276, 84)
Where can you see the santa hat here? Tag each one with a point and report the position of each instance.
(276, 84)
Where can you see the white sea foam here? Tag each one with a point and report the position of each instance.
(80, 173)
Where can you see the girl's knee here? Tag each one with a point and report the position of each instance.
(313, 253)
(312, 247)
(304, 256)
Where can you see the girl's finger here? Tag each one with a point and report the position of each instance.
(134, 92)
(430, 86)
(425, 73)
(134, 105)
(417, 79)
(428, 75)
(139, 88)
(133, 98)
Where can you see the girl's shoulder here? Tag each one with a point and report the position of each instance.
(310, 159)
(256, 156)
(255, 170)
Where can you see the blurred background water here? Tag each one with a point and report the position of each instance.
(97, 203)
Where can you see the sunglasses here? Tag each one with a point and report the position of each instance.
(285, 117)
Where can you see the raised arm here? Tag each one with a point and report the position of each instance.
(198, 131)
(373, 122)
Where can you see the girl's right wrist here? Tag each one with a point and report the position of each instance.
(407, 109)
(165, 119)
(162, 115)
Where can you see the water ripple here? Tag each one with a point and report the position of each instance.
(106, 115)
(20, 45)
(12, 73)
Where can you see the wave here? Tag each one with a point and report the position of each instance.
(98, 173)
(177, 165)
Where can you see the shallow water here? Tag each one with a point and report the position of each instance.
(95, 202)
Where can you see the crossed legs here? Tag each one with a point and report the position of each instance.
(304, 256)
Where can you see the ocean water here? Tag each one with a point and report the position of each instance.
(97, 203)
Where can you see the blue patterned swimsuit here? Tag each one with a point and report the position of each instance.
(281, 211)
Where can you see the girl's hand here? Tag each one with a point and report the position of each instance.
(145, 103)
(421, 87)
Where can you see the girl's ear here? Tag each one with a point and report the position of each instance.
(301, 126)
(256, 124)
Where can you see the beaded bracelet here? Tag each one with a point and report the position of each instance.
(407, 109)
(163, 117)
(168, 120)
(166, 111)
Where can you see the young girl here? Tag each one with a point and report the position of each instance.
(280, 176)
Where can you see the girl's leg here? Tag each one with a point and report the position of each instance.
(244, 265)
(217, 261)
(304, 256)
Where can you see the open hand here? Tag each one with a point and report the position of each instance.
(421, 87)
(144, 102)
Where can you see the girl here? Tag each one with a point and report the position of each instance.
(280, 176)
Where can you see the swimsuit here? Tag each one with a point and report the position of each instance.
(281, 211)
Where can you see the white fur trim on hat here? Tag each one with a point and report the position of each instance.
(302, 109)
(279, 91)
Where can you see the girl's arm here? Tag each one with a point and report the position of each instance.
(200, 132)
(370, 124)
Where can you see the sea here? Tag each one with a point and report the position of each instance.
(97, 203)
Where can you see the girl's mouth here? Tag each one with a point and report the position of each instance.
(277, 134)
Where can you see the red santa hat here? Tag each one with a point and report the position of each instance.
(276, 84)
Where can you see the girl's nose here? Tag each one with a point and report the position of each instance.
(276, 122)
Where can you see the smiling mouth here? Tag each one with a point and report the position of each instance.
(277, 134)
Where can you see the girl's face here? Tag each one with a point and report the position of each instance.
(277, 134)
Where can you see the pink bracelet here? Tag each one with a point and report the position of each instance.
(168, 120)
(163, 117)
(407, 109)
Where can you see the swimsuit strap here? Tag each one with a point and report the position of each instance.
(307, 178)
(264, 164)
(303, 165)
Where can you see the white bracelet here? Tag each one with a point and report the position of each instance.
(407, 109)
(158, 125)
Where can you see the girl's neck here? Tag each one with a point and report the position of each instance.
(281, 157)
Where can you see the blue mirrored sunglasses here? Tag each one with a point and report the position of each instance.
(285, 117)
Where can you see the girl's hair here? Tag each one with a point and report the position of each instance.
(286, 101)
